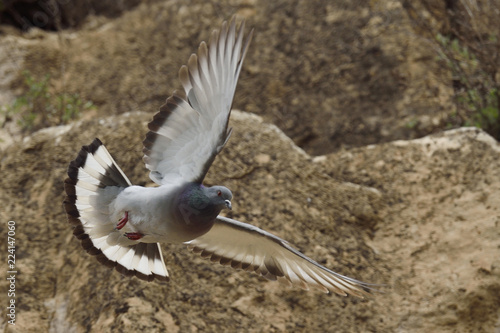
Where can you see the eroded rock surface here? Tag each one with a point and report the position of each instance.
(420, 216)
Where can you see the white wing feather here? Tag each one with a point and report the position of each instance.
(244, 246)
(189, 131)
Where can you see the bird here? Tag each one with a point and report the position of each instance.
(123, 225)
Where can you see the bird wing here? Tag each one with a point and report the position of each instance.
(244, 246)
(190, 130)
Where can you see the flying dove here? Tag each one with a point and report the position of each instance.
(123, 224)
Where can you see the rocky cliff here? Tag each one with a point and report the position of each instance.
(419, 216)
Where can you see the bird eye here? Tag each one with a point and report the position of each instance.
(219, 193)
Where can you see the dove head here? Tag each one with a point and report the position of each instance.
(198, 206)
(220, 196)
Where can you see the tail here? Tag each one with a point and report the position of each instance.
(93, 184)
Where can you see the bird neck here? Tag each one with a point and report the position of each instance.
(195, 207)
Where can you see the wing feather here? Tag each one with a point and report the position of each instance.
(190, 130)
(246, 247)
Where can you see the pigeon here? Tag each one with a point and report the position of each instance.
(122, 225)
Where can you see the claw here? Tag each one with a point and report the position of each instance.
(133, 235)
(122, 222)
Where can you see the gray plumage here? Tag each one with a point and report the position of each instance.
(123, 225)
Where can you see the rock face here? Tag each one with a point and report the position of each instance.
(419, 216)
(329, 74)
(439, 227)
(56, 15)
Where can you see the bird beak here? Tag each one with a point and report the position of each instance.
(228, 205)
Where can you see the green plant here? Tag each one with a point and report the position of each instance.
(476, 90)
(412, 123)
(465, 34)
(38, 107)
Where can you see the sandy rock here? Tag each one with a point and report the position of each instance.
(439, 229)
(424, 221)
(419, 216)
(330, 74)
(276, 187)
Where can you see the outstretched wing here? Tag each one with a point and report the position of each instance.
(189, 131)
(244, 246)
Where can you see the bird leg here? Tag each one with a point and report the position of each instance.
(133, 235)
(122, 222)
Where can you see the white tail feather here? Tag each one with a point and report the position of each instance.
(95, 180)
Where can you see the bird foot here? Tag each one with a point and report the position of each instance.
(133, 235)
(122, 222)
